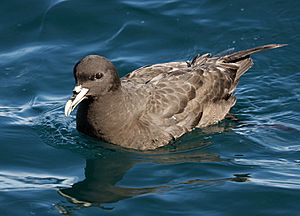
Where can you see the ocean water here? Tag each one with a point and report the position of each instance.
(245, 167)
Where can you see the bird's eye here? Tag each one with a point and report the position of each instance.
(96, 76)
(99, 75)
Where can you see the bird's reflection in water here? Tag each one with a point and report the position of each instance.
(103, 174)
(100, 184)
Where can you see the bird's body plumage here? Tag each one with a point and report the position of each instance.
(157, 104)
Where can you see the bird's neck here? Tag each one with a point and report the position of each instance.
(98, 116)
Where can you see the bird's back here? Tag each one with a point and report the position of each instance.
(181, 96)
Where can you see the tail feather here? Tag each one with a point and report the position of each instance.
(238, 56)
(244, 65)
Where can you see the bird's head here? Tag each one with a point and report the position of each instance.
(95, 76)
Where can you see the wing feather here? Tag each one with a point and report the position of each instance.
(182, 99)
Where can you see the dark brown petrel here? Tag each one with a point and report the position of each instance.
(155, 104)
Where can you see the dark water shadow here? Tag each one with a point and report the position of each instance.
(101, 186)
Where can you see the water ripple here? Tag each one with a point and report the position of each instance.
(15, 181)
(286, 183)
(26, 51)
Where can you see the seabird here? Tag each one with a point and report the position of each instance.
(153, 105)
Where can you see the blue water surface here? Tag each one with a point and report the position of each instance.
(245, 167)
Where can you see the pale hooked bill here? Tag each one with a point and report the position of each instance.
(74, 101)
